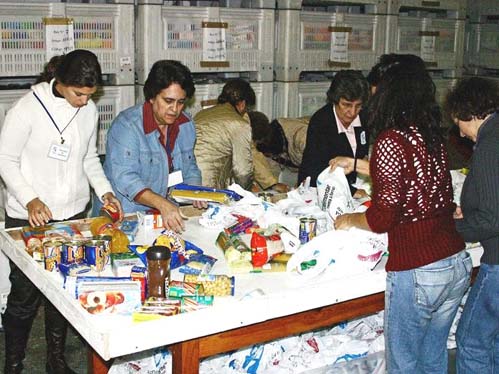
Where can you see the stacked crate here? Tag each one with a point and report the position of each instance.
(105, 29)
(432, 30)
(483, 37)
(179, 35)
(322, 38)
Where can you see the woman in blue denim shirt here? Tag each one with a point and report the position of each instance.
(149, 145)
(473, 104)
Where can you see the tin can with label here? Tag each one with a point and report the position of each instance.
(52, 255)
(96, 254)
(107, 239)
(73, 252)
(110, 210)
(308, 229)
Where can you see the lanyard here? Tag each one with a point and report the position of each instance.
(57, 127)
(168, 150)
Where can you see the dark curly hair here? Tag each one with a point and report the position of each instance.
(405, 98)
(163, 74)
(236, 90)
(387, 61)
(349, 85)
(472, 97)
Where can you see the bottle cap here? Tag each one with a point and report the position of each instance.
(158, 252)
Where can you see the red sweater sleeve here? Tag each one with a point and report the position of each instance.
(387, 167)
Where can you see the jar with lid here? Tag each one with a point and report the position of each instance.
(158, 271)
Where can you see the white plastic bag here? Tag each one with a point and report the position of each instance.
(334, 193)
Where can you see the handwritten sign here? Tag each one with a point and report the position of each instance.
(339, 45)
(59, 36)
(214, 44)
(428, 41)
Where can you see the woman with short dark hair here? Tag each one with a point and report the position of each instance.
(473, 104)
(150, 146)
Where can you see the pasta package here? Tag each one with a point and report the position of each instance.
(187, 195)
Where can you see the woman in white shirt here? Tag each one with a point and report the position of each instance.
(48, 158)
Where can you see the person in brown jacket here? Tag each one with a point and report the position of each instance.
(223, 141)
(279, 149)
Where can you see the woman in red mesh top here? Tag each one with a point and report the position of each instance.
(428, 270)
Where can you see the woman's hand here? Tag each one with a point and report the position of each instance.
(38, 213)
(280, 187)
(345, 162)
(458, 213)
(347, 221)
(199, 204)
(109, 198)
(172, 220)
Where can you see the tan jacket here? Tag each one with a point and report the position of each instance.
(267, 170)
(223, 147)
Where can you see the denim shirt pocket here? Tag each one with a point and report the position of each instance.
(150, 166)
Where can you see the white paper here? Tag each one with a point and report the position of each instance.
(59, 38)
(214, 44)
(428, 48)
(339, 47)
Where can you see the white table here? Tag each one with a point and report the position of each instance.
(287, 307)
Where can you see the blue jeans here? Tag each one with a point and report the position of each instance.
(478, 330)
(420, 305)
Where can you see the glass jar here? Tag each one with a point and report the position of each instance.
(158, 271)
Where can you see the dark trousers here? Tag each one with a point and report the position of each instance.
(22, 307)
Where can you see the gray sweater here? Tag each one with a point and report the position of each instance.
(480, 194)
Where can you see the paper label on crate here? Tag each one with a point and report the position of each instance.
(124, 61)
(339, 45)
(59, 36)
(214, 42)
(428, 48)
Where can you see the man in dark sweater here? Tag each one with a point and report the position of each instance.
(337, 129)
(474, 105)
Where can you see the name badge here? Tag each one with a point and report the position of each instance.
(175, 178)
(363, 138)
(59, 151)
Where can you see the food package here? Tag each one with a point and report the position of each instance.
(213, 285)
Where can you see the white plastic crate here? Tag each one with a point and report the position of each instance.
(299, 99)
(442, 86)
(439, 42)
(206, 95)
(479, 10)
(106, 30)
(483, 46)
(304, 42)
(110, 100)
(455, 7)
(176, 33)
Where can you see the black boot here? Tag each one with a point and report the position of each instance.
(56, 328)
(16, 340)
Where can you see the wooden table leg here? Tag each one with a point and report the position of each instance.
(96, 364)
(185, 357)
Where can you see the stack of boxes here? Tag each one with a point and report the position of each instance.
(482, 38)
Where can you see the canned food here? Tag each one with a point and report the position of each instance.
(73, 252)
(308, 229)
(107, 239)
(96, 254)
(110, 210)
(52, 255)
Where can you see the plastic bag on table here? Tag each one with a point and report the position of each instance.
(334, 193)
